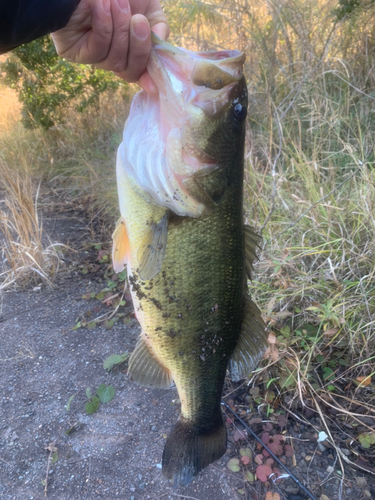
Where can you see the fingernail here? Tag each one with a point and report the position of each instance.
(106, 6)
(141, 29)
(124, 6)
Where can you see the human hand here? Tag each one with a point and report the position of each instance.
(114, 35)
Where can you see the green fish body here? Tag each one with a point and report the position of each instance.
(188, 254)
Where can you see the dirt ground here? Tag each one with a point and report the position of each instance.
(116, 452)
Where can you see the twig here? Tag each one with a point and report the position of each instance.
(52, 449)
(295, 479)
(159, 496)
(184, 496)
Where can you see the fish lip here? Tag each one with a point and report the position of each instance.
(185, 73)
(220, 56)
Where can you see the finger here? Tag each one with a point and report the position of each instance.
(139, 48)
(147, 83)
(117, 57)
(161, 30)
(98, 40)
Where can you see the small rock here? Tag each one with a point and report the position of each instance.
(308, 458)
(361, 482)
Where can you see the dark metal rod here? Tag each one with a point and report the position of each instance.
(271, 453)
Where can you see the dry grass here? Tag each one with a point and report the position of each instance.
(75, 160)
(27, 255)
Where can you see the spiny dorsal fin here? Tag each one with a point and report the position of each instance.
(251, 344)
(120, 246)
(252, 241)
(146, 369)
(152, 250)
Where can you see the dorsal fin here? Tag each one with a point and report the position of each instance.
(252, 241)
(251, 344)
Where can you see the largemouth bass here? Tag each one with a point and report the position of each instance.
(188, 254)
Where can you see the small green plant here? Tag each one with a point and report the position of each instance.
(103, 394)
(114, 360)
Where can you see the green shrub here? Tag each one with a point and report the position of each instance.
(48, 85)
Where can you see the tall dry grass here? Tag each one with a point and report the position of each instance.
(74, 161)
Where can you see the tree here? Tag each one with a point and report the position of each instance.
(48, 84)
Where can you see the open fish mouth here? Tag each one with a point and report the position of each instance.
(164, 152)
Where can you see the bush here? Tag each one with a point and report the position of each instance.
(48, 84)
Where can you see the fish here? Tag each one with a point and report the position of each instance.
(182, 238)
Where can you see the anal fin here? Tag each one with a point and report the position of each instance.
(152, 250)
(146, 369)
(251, 344)
(252, 241)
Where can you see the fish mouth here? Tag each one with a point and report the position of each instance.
(193, 86)
(181, 75)
(160, 150)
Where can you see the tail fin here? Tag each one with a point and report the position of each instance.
(189, 449)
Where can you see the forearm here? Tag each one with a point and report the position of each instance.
(22, 21)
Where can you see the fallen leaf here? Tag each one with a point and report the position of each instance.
(331, 332)
(367, 440)
(249, 477)
(233, 464)
(245, 459)
(272, 496)
(246, 452)
(258, 459)
(361, 482)
(239, 435)
(271, 338)
(364, 381)
(262, 472)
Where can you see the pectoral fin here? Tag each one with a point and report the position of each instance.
(120, 247)
(145, 368)
(152, 250)
(251, 344)
(252, 241)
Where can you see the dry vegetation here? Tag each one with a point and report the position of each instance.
(310, 180)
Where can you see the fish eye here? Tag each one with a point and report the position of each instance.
(240, 112)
